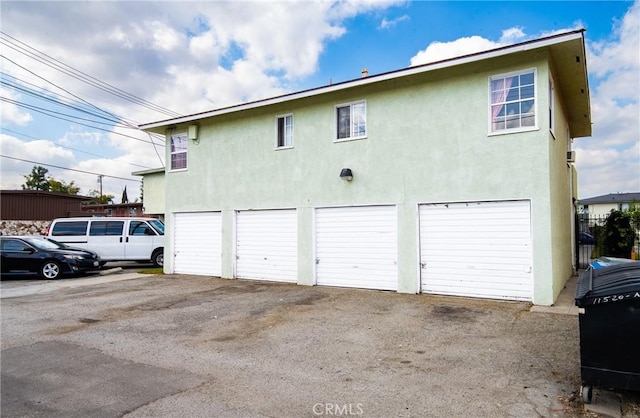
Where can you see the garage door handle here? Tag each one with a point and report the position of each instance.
(423, 265)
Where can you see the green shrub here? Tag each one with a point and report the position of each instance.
(619, 236)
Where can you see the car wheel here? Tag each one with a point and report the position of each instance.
(158, 258)
(51, 270)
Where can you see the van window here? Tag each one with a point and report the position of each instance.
(106, 228)
(140, 228)
(72, 228)
(157, 225)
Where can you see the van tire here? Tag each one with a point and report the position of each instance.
(51, 270)
(157, 258)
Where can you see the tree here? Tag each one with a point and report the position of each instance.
(99, 199)
(37, 179)
(619, 236)
(63, 187)
(125, 198)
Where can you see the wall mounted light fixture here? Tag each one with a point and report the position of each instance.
(192, 133)
(346, 174)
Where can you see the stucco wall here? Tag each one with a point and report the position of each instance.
(154, 193)
(427, 143)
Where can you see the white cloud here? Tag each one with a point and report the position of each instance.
(612, 155)
(437, 51)
(512, 35)
(387, 24)
(12, 171)
(12, 114)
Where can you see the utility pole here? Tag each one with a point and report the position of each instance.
(100, 176)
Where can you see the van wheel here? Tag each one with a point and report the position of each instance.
(158, 258)
(51, 270)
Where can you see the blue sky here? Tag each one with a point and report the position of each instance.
(191, 57)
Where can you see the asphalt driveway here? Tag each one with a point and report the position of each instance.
(174, 345)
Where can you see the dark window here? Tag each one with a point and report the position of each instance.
(73, 228)
(14, 245)
(140, 228)
(106, 228)
(284, 131)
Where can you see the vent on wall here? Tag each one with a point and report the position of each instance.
(571, 156)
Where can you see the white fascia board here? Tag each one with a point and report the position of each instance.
(150, 171)
(451, 62)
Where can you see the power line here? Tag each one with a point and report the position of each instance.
(55, 85)
(53, 113)
(68, 70)
(54, 100)
(75, 149)
(69, 169)
(39, 56)
(48, 113)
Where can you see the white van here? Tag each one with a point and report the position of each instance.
(113, 238)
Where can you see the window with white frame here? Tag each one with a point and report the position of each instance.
(351, 121)
(284, 131)
(179, 151)
(513, 101)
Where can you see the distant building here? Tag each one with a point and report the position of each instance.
(601, 205)
(122, 209)
(153, 191)
(38, 205)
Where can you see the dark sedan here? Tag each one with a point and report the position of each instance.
(47, 258)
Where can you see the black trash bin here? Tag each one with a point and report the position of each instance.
(609, 327)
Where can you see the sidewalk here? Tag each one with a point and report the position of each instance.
(565, 303)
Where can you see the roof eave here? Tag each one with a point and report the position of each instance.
(580, 130)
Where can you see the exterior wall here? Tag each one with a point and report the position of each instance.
(154, 194)
(31, 205)
(602, 209)
(560, 253)
(427, 142)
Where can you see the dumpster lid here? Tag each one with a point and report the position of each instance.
(612, 283)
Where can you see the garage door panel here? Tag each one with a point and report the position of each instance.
(357, 247)
(480, 249)
(267, 245)
(198, 243)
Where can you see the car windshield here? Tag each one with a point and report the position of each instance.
(44, 244)
(157, 225)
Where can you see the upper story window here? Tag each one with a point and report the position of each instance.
(351, 121)
(179, 151)
(284, 131)
(513, 101)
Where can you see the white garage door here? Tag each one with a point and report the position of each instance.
(197, 243)
(477, 249)
(267, 245)
(357, 247)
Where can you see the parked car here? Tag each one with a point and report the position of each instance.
(50, 259)
(113, 238)
(585, 238)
